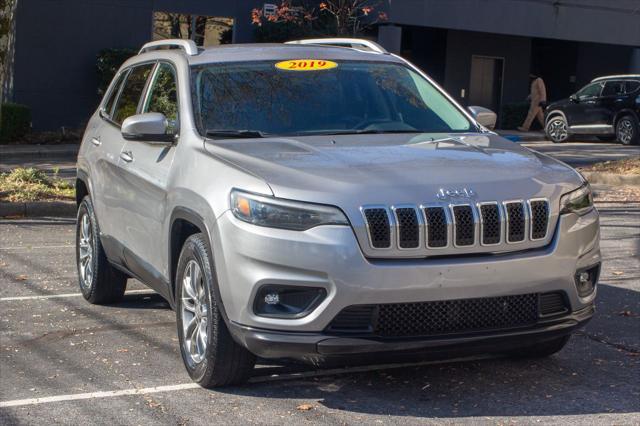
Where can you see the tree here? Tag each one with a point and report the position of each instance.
(352, 17)
(7, 40)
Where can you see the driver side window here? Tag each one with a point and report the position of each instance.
(163, 95)
(590, 91)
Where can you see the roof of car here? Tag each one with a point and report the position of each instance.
(617, 77)
(266, 52)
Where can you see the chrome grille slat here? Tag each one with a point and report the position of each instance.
(425, 229)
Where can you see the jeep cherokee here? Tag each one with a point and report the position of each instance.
(321, 201)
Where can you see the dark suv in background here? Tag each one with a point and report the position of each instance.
(608, 107)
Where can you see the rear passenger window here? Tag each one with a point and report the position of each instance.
(111, 97)
(613, 88)
(127, 104)
(632, 86)
(163, 96)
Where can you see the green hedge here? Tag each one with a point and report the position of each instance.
(512, 115)
(15, 122)
(108, 63)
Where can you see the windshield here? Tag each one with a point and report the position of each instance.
(348, 97)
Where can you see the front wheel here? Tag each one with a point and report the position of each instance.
(557, 129)
(210, 354)
(628, 131)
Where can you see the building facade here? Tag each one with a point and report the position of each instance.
(481, 51)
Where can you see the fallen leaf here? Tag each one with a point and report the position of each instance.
(617, 272)
(122, 350)
(304, 407)
(21, 277)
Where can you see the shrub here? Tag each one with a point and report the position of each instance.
(108, 63)
(512, 115)
(33, 185)
(15, 122)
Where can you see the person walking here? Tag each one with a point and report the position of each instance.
(538, 99)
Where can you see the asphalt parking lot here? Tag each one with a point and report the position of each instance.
(65, 361)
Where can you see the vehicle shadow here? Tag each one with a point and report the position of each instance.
(597, 372)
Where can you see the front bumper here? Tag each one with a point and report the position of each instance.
(312, 346)
(248, 256)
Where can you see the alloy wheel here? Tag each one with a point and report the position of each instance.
(557, 130)
(625, 131)
(85, 254)
(194, 311)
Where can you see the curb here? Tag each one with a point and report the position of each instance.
(38, 209)
(19, 151)
(611, 178)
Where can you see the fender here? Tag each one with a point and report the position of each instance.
(554, 113)
(625, 111)
(192, 216)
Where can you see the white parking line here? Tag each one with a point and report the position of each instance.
(63, 295)
(255, 379)
(92, 395)
(36, 247)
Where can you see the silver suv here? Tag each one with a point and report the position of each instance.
(323, 200)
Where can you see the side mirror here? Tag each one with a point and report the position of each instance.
(149, 127)
(484, 116)
(574, 98)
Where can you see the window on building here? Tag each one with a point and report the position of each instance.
(127, 104)
(204, 30)
(163, 97)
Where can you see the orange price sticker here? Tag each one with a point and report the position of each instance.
(306, 65)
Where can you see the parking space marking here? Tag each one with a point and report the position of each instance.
(36, 247)
(63, 295)
(92, 395)
(255, 379)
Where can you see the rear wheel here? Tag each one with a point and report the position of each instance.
(557, 129)
(210, 354)
(100, 283)
(628, 130)
(541, 350)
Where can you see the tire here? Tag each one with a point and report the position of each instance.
(628, 130)
(541, 350)
(211, 356)
(556, 129)
(607, 138)
(100, 283)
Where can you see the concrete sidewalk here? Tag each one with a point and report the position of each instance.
(517, 136)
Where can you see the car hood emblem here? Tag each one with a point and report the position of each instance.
(444, 194)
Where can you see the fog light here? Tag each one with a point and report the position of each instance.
(586, 280)
(279, 301)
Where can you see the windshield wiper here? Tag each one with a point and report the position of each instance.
(363, 132)
(231, 133)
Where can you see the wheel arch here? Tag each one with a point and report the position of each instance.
(624, 113)
(83, 186)
(555, 113)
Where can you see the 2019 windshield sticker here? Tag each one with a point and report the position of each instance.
(306, 65)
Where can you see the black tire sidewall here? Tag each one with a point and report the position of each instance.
(86, 207)
(546, 131)
(636, 130)
(193, 251)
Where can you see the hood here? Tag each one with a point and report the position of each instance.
(353, 170)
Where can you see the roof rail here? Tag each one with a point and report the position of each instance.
(355, 43)
(189, 46)
(623, 76)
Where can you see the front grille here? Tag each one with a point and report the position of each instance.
(490, 215)
(539, 219)
(379, 227)
(448, 317)
(461, 226)
(515, 222)
(436, 227)
(464, 224)
(408, 228)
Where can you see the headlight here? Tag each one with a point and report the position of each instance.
(579, 201)
(284, 214)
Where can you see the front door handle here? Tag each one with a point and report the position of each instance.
(96, 141)
(126, 156)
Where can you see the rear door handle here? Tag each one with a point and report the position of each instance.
(126, 156)
(96, 141)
